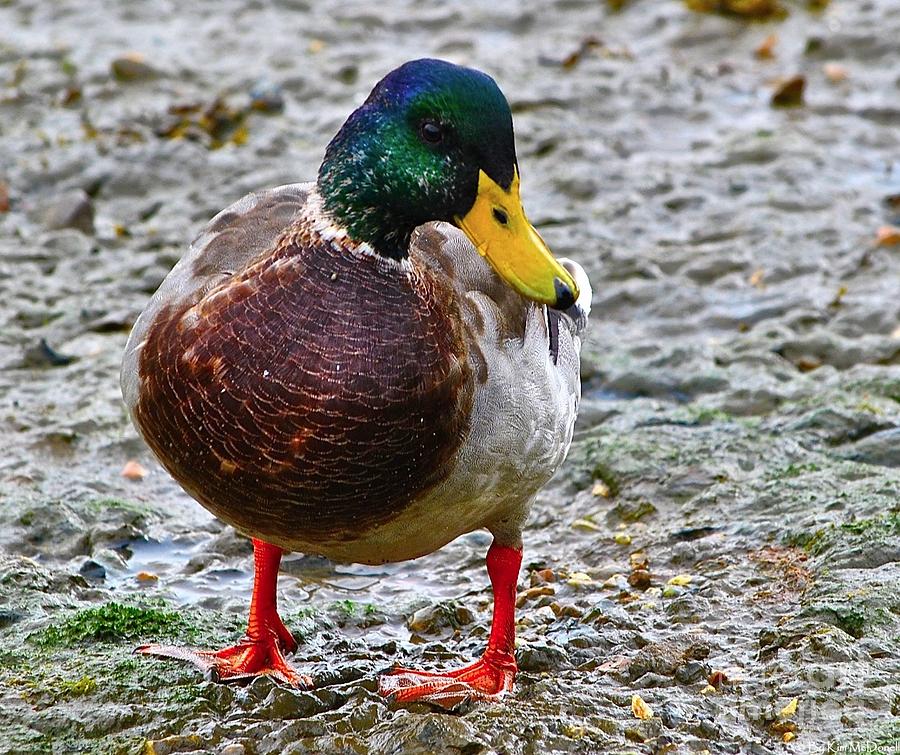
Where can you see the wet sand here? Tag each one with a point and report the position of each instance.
(724, 538)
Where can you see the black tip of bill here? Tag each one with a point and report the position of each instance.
(564, 296)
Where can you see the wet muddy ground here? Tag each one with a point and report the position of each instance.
(723, 541)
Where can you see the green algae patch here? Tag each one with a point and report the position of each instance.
(99, 505)
(874, 529)
(78, 687)
(860, 611)
(113, 622)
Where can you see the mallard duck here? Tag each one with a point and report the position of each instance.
(371, 365)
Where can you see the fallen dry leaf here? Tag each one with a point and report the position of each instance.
(681, 580)
(790, 709)
(789, 92)
(587, 525)
(587, 44)
(615, 665)
(835, 72)
(788, 736)
(888, 235)
(717, 679)
(579, 579)
(600, 490)
(765, 50)
(4, 197)
(133, 471)
(639, 560)
(622, 538)
(146, 576)
(756, 278)
(640, 708)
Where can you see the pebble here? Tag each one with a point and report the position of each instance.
(540, 656)
(132, 67)
(71, 209)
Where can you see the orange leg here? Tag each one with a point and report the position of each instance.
(262, 650)
(492, 675)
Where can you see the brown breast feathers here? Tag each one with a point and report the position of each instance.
(315, 392)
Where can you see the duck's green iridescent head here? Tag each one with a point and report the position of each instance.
(434, 141)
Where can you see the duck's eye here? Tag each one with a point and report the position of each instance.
(431, 132)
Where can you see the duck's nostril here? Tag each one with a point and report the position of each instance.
(500, 216)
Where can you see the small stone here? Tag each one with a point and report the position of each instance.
(579, 579)
(91, 570)
(887, 235)
(789, 92)
(533, 592)
(542, 576)
(266, 97)
(835, 72)
(433, 619)
(133, 470)
(615, 582)
(132, 67)
(540, 656)
(639, 579)
(545, 615)
(690, 672)
(8, 617)
(622, 538)
(72, 209)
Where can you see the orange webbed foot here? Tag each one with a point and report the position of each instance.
(488, 679)
(241, 662)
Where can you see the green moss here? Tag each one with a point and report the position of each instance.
(633, 511)
(852, 621)
(811, 542)
(78, 687)
(105, 504)
(876, 528)
(705, 415)
(888, 524)
(794, 470)
(114, 622)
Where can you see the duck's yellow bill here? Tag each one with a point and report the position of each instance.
(497, 226)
